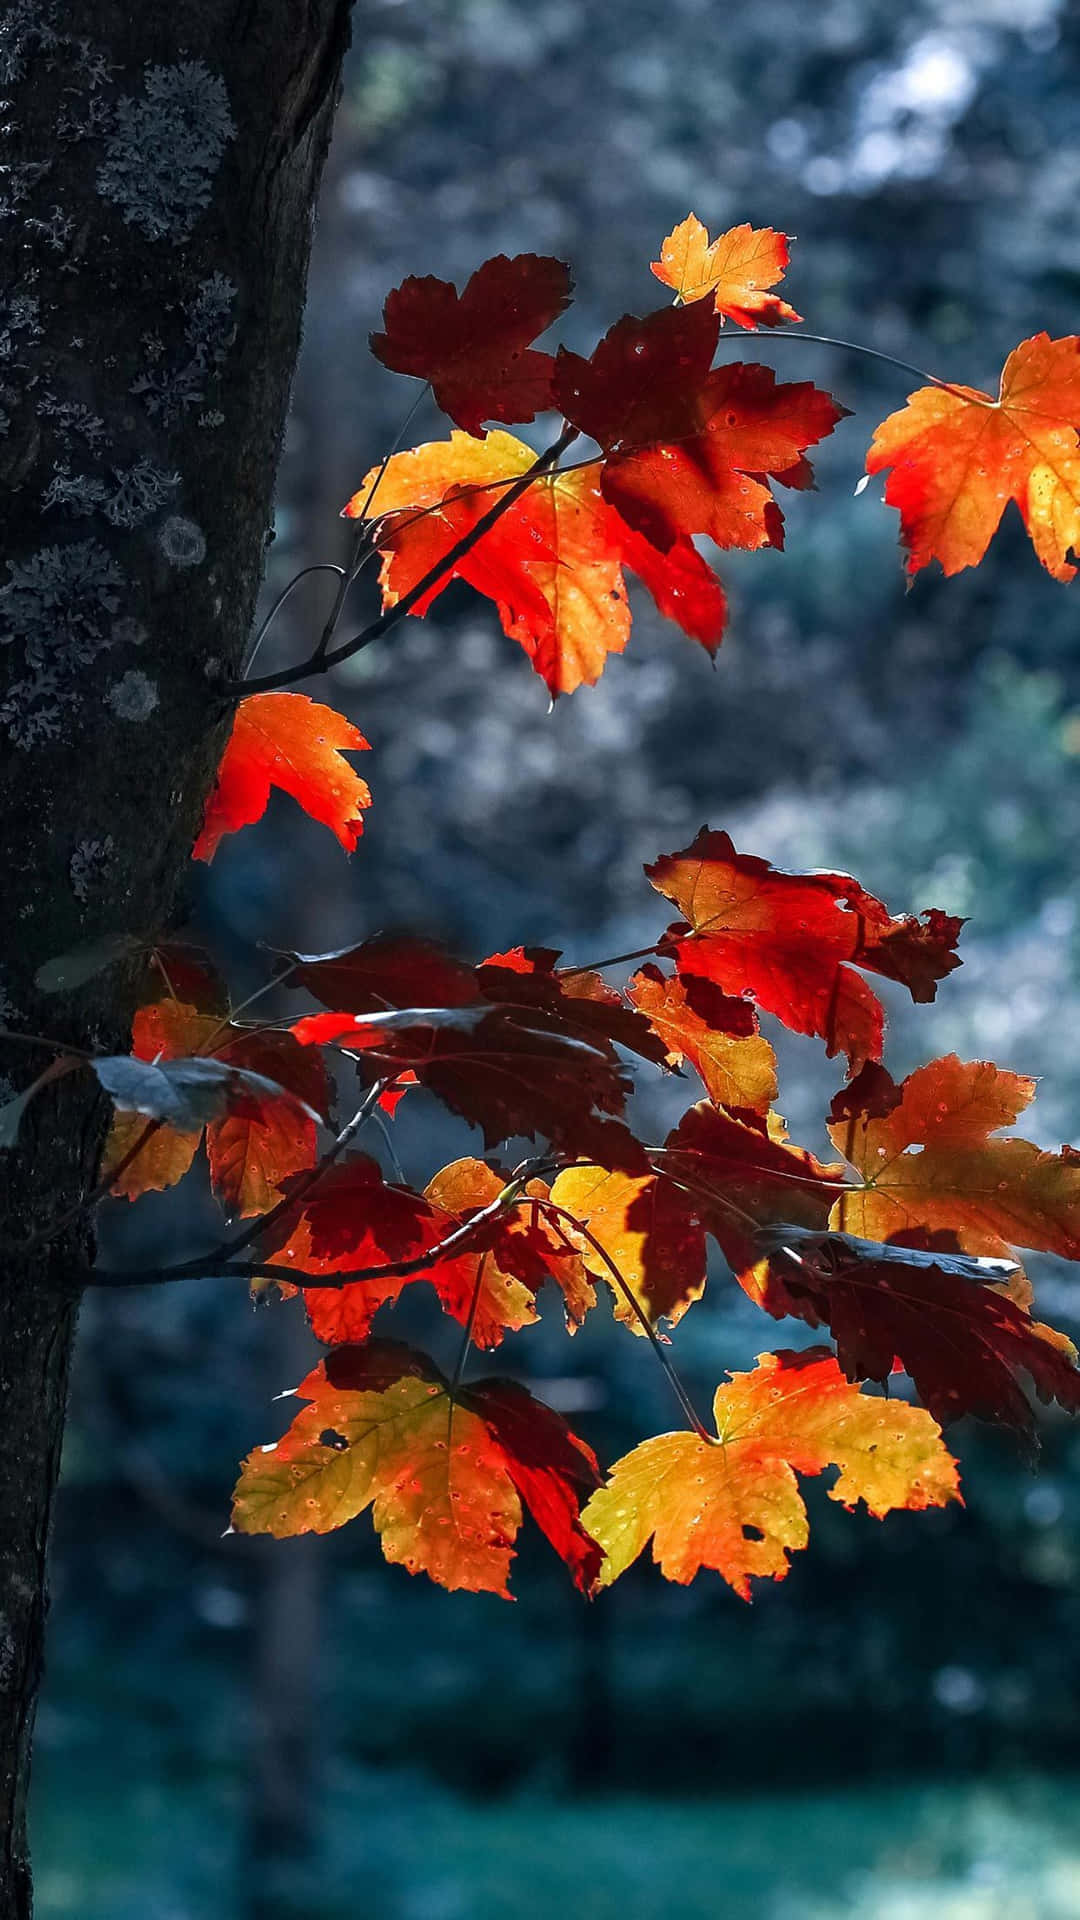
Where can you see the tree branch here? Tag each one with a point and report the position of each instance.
(221, 1262)
(321, 662)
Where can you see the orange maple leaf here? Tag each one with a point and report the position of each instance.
(552, 564)
(286, 740)
(734, 1504)
(445, 1471)
(794, 940)
(716, 1032)
(649, 1232)
(925, 1153)
(736, 268)
(957, 457)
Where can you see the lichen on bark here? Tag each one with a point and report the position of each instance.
(118, 350)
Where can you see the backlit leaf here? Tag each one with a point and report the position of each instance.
(956, 457)
(691, 450)
(794, 940)
(286, 740)
(443, 1473)
(735, 1505)
(650, 1233)
(716, 1032)
(737, 268)
(928, 1162)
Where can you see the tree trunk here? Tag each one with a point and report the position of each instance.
(155, 218)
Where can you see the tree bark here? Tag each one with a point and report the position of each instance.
(156, 206)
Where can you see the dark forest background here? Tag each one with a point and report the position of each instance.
(236, 1729)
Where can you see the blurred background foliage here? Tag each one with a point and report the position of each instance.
(233, 1728)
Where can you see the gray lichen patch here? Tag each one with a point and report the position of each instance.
(134, 696)
(182, 542)
(163, 150)
(20, 323)
(58, 608)
(170, 389)
(89, 864)
(72, 416)
(138, 492)
(26, 28)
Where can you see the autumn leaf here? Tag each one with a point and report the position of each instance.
(742, 1182)
(959, 1326)
(286, 740)
(553, 1470)
(736, 268)
(734, 1504)
(253, 1143)
(928, 1162)
(794, 940)
(491, 1273)
(529, 1053)
(579, 999)
(160, 1155)
(388, 970)
(352, 1219)
(549, 563)
(716, 1032)
(444, 1472)
(552, 563)
(474, 348)
(505, 1070)
(683, 586)
(956, 457)
(689, 450)
(649, 1232)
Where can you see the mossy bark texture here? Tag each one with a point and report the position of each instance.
(156, 201)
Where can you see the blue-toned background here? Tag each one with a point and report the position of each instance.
(234, 1730)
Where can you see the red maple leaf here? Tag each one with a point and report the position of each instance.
(474, 348)
(794, 940)
(286, 740)
(689, 450)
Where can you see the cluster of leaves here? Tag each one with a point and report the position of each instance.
(905, 1248)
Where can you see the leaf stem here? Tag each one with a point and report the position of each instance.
(614, 960)
(318, 566)
(550, 1208)
(466, 1339)
(846, 346)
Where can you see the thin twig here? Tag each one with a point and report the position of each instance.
(769, 335)
(305, 1181)
(391, 616)
(319, 566)
(221, 1262)
(361, 548)
(42, 1040)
